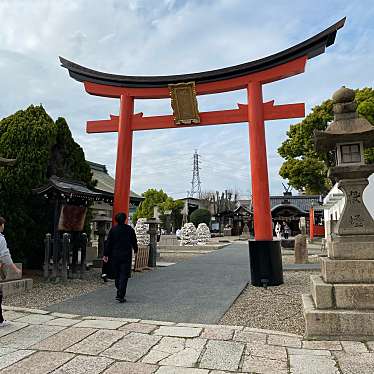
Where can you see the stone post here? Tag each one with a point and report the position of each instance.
(47, 254)
(301, 250)
(153, 225)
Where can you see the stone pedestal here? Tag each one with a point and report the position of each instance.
(341, 302)
(13, 283)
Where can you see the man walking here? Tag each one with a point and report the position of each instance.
(120, 244)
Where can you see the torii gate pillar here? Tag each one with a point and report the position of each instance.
(260, 182)
(124, 156)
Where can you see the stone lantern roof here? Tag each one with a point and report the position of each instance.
(347, 125)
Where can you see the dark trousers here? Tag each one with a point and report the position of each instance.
(1, 310)
(122, 276)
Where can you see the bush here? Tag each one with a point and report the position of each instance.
(200, 216)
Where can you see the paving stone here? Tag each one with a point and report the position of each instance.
(14, 326)
(170, 345)
(310, 352)
(101, 324)
(67, 322)
(362, 363)
(63, 339)
(178, 370)
(159, 323)
(262, 365)
(128, 320)
(35, 319)
(10, 315)
(84, 364)
(218, 333)
(188, 356)
(13, 357)
(131, 368)
(64, 315)
(6, 350)
(39, 363)
(354, 347)
(182, 332)
(154, 356)
(202, 325)
(132, 347)
(25, 310)
(307, 364)
(223, 355)
(273, 352)
(271, 332)
(286, 341)
(29, 336)
(139, 327)
(97, 342)
(249, 336)
(331, 345)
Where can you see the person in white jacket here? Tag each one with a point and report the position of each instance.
(5, 261)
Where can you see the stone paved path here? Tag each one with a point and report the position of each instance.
(200, 289)
(41, 342)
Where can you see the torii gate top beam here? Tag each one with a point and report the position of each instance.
(219, 80)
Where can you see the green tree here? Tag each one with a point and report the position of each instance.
(42, 148)
(146, 208)
(305, 169)
(27, 135)
(67, 157)
(200, 216)
(174, 217)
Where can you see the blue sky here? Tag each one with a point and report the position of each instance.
(161, 37)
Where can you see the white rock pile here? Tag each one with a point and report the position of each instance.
(188, 234)
(141, 231)
(203, 234)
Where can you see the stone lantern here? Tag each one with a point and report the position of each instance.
(341, 303)
(101, 221)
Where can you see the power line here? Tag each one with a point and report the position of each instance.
(196, 183)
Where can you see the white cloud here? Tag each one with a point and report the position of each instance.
(140, 37)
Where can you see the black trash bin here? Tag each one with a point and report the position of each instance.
(265, 259)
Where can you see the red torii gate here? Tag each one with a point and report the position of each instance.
(250, 76)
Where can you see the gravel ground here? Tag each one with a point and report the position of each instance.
(46, 293)
(276, 308)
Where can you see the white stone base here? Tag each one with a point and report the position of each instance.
(337, 323)
(347, 271)
(352, 247)
(342, 295)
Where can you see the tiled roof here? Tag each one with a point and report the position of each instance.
(302, 202)
(105, 182)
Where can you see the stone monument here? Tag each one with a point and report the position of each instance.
(203, 234)
(188, 234)
(141, 231)
(341, 304)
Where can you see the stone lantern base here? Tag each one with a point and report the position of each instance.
(341, 303)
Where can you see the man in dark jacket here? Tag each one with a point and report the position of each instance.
(120, 243)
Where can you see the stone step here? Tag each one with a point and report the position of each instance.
(342, 295)
(335, 324)
(347, 271)
(16, 286)
(351, 247)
